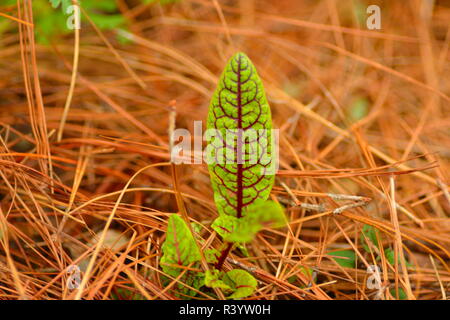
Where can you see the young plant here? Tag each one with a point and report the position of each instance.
(181, 255)
(242, 155)
(181, 262)
(241, 158)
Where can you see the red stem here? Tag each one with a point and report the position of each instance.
(239, 200)
(223, 256)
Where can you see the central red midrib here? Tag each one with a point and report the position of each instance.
(239, 146)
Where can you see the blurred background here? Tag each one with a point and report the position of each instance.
(360, 91)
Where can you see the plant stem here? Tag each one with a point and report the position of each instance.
(223, 256)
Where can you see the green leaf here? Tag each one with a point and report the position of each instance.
(103, 5)
(308, 272)
(180, 247)
(55, 3)
(359, 109)
(237, 283)
(196, 227)
(50, 22)
(268, 214)
(292, 279)
(401, 294)
(359, 10)
(226, 226)
(108, 21)
(180, 250)
(232, 229)
(4, 26)
(242, 283)
(212, 280)
(211, 255)
(65, 3)
(369, 233)
(348, 259)
(240, 152)
(390, 257)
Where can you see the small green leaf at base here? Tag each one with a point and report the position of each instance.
(235, 283)
(65, 4)
(212, 280)
(181, 251)
(268, 214)
(401, 294)
(348, 259)
(242, 282)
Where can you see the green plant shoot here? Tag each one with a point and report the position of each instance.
(242, 153)
(240, 114)
(179, 252)
(241, 161)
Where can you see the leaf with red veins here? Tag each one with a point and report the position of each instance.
(181, 251)
(241, 157)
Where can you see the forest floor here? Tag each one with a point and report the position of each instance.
(360, 112)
